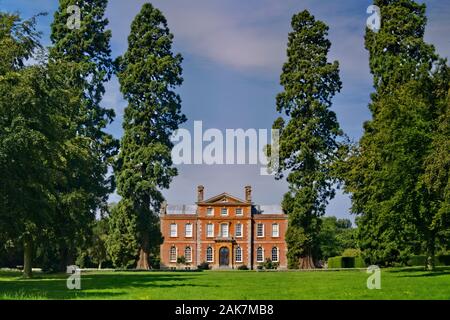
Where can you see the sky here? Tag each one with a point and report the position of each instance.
(233, 55)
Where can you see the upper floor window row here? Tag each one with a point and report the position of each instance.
(275, 230)
(188, 230)
(224, 211)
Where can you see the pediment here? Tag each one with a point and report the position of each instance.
(224, 198)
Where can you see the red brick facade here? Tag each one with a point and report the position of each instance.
(224, 231)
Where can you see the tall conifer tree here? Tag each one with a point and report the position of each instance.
(148, 74)
(308, 133)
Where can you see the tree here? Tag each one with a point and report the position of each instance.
(308, 133)
(90, 152)
(122, 245)
(35, 114)
(384, 170)
(334, 237)
(148, 74)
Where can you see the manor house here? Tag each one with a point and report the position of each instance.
(225, 231)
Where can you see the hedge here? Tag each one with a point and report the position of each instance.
(420, 260)
(346, 262)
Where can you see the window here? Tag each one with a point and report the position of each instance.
(210, 211)
(173, 254)
(188, 254)
(239, 211)
(238, 231)
(238, 254)
(259, 255)
(224, 211)
(275, 254)
(188, 230)
(210, 230)
(260, 230)
(275, 230)
(224, 230)
(173, 230)
(209, 255)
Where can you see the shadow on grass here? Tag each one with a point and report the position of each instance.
(116, 285)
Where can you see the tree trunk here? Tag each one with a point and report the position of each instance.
(306, 261)
(430, 254)
(27, 258)
(100, 265)
(142, 263)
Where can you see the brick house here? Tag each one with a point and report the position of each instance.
(224, 231)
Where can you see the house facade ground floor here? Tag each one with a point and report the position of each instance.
(224, 231)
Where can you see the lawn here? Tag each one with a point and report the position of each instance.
(348, 284)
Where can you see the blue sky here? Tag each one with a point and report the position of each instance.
(233, 53)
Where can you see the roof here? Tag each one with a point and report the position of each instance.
(268, 209)
(229, 198)
(181, 209)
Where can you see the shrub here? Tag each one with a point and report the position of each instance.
(359, 262)
(269, 265)
(203, 266)
(443, 260)
(351, 253)
(346, 262)
(181, 260)
(419, 260)
(243, 267)
(335, 262)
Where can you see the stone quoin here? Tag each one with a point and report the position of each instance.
(224, 231)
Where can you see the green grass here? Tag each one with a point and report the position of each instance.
(411, 283)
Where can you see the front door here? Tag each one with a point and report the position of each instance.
(224, 256)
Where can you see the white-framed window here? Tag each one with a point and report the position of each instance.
(224, 211)
(275, 230)
(188, 254)
(209, 211)
(188, 230)
(224, 230)
(260, 230)
(210, 230)
(209, 254)
(174, 230)
(239, 212)
(173, 254)
(275, 255)
(238, 230)
(260, 254)
(238, 254)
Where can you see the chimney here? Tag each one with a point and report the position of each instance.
(248, 193)
(200, 193)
